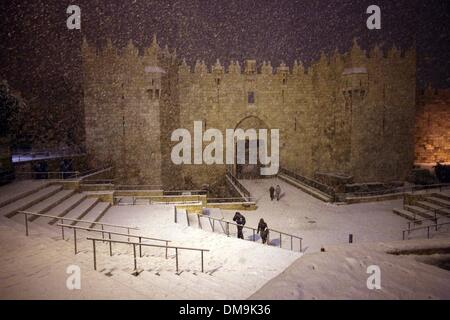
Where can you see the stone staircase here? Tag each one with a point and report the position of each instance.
(52, 199)
(34, 267)
(425, 206)
(316, 193)
(37, 264)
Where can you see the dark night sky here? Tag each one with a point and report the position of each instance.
(40, 56)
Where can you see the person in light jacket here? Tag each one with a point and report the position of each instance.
(278, 192)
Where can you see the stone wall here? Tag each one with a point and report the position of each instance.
(351, 114)
(433, 126)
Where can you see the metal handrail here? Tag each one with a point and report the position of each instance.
(238, 184)
(102, 231)
(146, 245)
(134, 198)
(411, 190)
(62, 219)
(123, 187)
(242, 199)
(254, 230)
(329, 191)
(99, 182)
(426, 227)
(434, 211)
(92, 172)
(180, 192)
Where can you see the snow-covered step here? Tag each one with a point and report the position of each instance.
(192, 286)
(20, 189)
(80, 210)
(238, 292)
(207, 287)
(51, 202)
(96, 213)
(248, 282)
(419, 212)
(438, 201)
(152, 286)
(430, 206)
(34, 198)
(41, 267)
(405, 214)
(442, 196)
(64, 207)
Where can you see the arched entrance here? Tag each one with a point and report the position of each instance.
(252, 144)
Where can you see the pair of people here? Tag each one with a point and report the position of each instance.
(275, 193)
(263, 230)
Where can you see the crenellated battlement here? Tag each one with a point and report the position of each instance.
(355, 56)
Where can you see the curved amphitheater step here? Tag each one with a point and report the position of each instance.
(439, 201)
(79, 211)
(30, 200)
(442, 196)
(431, 206)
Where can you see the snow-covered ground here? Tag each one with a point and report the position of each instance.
(320, 223)
(230, 257)
(234, 269)
(341, 273)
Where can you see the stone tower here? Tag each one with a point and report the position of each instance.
(123, 93)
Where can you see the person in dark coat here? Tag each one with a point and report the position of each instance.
(240, 221)
(272, 193)
(263, 230)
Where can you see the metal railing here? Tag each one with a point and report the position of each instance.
(151, 200)
(403, 190)
(185, 193)
(230, 200)
(436, 227)
(109, 233)
(435, 212)
(62, 219)
(226, 229)
(146, 245)
(137, 187)
(93, 172)
(100, 181)
(238, 185)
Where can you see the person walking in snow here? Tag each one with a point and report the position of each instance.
(272, 193)
(278, 192)
(240, 221)
(263, 230)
